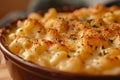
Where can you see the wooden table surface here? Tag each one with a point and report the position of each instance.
(4, 74)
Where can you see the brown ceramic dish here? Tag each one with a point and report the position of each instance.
(24, 70)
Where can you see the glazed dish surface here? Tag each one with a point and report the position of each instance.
(86, 40)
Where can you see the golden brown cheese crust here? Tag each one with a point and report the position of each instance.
(85, 40)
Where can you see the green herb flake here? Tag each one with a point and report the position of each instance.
(111, 41)
(78, 51)
(89, 20)
(57, 39)
(95, 26)
(103, 47)
(100, 54)
(104, 52)
(21, 30)
(73, 38)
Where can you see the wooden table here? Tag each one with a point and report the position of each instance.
(4, 74)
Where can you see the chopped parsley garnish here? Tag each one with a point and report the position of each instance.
(103, 47)
(21, 30)
(78, 46)
(111, 41)
(73, 38)
(89, 20)
(78, 51)
(102, 53)
(95, 26)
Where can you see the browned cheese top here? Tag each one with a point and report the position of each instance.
(85, 40)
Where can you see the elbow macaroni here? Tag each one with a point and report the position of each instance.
(85, 40)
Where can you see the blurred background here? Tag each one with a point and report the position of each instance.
(8, 6)
(10, 9)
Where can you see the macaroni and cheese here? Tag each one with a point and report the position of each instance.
(85, 40)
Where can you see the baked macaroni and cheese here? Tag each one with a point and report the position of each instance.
(85, 40)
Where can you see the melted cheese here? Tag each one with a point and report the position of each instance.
(85, 40)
